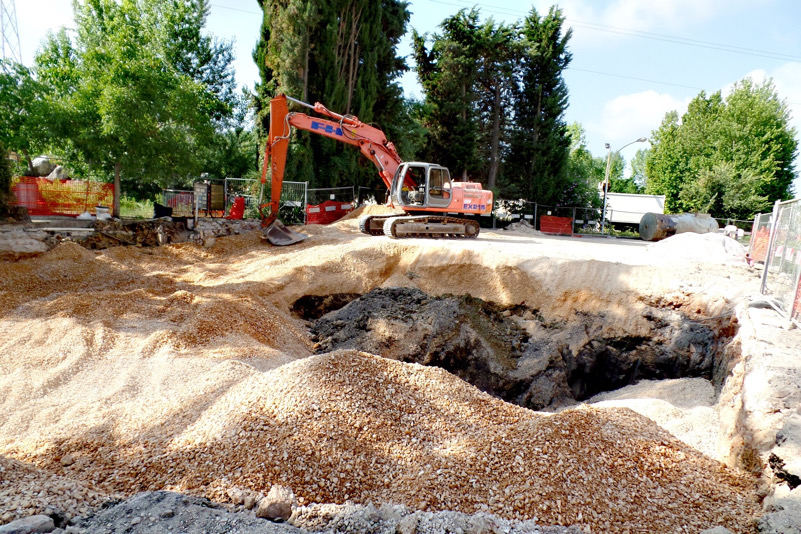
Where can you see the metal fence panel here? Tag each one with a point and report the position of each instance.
(780, 281)
(181, 202)
(337, 194)
(246, 188)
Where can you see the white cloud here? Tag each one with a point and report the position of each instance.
(592, 23)
(629, 117)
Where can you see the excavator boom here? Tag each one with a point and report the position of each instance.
(424, 190)
(348, 129)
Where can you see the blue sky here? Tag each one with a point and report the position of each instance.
(633, 60)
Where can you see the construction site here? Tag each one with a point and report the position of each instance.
(514, 382)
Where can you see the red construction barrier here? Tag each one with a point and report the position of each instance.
(60, 197)
(556, 225)
(327, 212)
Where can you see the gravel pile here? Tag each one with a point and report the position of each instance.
(163, 511)
(25, 491)
(348, 426)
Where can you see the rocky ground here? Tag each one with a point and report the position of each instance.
(206, 368)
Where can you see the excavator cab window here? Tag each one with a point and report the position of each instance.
(414, 185)
(439, 183)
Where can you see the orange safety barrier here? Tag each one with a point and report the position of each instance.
(60, 197)
(556, 225)
(327, 212)
(759, 244)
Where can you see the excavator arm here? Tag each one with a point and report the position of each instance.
(348, 129)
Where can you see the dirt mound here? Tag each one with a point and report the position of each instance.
(523, 227)
(370, 209)
(708, 248)
(515, 352)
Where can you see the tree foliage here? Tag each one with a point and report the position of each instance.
(23, 114)
(732, 157)
(583, 171)
(6, 176)
(138, 92)
(497, 101)
(341, 53)
(539, 144)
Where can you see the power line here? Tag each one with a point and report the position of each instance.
(633, 78)
(236, 9)
(637, 33)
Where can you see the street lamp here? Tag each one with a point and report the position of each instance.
(606, 177)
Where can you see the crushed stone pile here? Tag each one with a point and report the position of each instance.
(26, 490)
(348, 426)
(162, 511)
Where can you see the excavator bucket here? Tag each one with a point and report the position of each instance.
(278, 234)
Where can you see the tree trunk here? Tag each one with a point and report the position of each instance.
(535, 135)
(29, 160)
(306, 71)
(116, 210)
(464, 119)
(495, 139)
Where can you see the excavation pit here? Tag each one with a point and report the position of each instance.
(515, 352)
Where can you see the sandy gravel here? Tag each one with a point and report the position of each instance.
(181, 368)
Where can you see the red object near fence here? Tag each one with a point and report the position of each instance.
(60, 197)
(759, 244)
(327, 212)
(556, 225)
(237, 209)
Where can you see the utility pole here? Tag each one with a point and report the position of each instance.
(8, 25)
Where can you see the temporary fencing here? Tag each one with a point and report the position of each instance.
(181, 202)
(246, 188)
(45, 197)
(781, 279)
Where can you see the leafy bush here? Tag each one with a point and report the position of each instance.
(136, 209)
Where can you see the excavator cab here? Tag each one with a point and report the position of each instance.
(421, 185)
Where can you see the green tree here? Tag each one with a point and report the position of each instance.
(638, 164)
(23, 115)
(6, 175)
(448, 73)
(128, 99)
(499, 50)
(539, 148)
(341, 53)
(618, 183)
(732, 157)
(583, 171)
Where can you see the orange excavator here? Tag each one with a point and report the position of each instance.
(425, 191)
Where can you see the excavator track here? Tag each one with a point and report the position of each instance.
(372, 225)
(430, 227)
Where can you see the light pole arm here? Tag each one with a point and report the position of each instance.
(606, 177)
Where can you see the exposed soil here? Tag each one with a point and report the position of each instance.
(514, 352)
